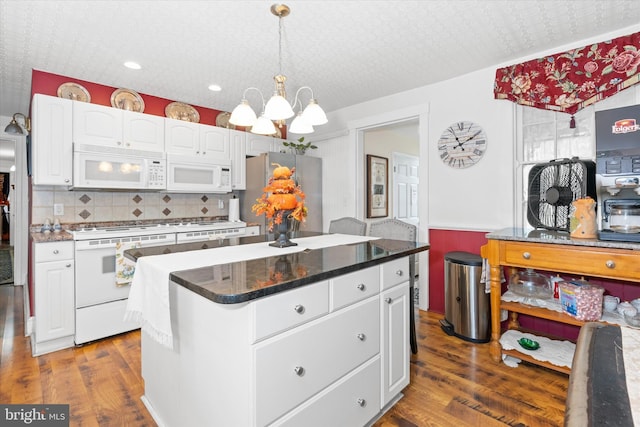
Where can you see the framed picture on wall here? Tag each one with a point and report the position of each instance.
(377, 186)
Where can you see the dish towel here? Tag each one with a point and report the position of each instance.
(148, 302)
(124, 266)
(485, 276)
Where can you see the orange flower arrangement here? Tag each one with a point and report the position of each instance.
(281, 194)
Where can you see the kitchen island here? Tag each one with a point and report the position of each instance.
(316, 334)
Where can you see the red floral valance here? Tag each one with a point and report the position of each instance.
(572, 80)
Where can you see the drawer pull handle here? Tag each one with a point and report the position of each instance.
(361, 286)
(388, 300)
(362, 403)
(299, 370)
(399, 273)
(610, 264)
(526, 255)
(299, 308)
(56, 252)
(361, 337)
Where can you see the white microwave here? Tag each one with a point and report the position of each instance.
(117, 168)
(198, 174)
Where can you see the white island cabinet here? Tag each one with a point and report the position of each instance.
(328, 353)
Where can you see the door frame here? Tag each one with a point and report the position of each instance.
(357, 129)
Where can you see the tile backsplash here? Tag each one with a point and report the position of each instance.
(97, 206)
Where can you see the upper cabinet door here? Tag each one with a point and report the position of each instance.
(237, 141)
(181, 137)
(214, 142)
(97, 125)
(111, 127)
(258, 144)
(142, 131)
(51, 138)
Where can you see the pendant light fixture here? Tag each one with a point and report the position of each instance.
(278, 109)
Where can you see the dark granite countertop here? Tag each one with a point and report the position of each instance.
(558, 238)
(242, 281)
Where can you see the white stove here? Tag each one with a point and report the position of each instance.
(103, 276)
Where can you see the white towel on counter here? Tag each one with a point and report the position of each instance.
(148, 301)
(124, 266)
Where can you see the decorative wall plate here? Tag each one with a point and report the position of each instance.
(222, 120)
(126, 99)
(182, 111)
(74, 92)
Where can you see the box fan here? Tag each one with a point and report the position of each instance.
(552, 188)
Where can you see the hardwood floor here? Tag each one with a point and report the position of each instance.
(453, 383)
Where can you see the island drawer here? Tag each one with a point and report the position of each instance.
(353, 287)
(395, 272)
(289, 309)
(352, 401)
(298, 364)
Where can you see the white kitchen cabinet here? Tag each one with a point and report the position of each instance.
(394, 351)
(54, 294)
(111, 127)
(310, 356)
(51, 138)
(237, 141)
(258, 144)
(194, 139)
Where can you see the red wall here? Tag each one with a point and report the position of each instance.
(445, 241)
(47, 84)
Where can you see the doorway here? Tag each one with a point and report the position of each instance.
(4, 208)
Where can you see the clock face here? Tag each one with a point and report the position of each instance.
(462, 144)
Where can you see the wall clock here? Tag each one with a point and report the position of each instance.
(462, 144)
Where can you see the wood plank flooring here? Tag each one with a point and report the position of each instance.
(453, 383)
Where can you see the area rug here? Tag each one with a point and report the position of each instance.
(6, 266)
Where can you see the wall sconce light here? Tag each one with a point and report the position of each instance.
(15, 128)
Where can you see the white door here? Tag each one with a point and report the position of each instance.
(405, 187)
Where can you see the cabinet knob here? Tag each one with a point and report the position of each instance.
(68, 265)
(299, 308)
(362, 402)
(204, 152)
(399, 273)
(67, 180)
(56, 252)
(361, 286)
(388, 300)
(361, 337)
(127, 144)
(610, 264)
(526, 255)
(299, 370)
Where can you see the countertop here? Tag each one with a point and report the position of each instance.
(558, 238)
(242, 281)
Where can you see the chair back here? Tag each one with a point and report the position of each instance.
(393, 229)
(348, 225)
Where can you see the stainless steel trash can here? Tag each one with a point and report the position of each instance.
(466, 305)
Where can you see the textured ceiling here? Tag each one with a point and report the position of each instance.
(347, 51)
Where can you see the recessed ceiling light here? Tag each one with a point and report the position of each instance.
(132, 65)
(215, 88)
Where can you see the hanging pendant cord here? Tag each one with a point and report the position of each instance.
(280, 44)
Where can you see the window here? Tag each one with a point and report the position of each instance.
(545, 135)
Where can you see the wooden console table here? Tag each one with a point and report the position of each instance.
(556, 252)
